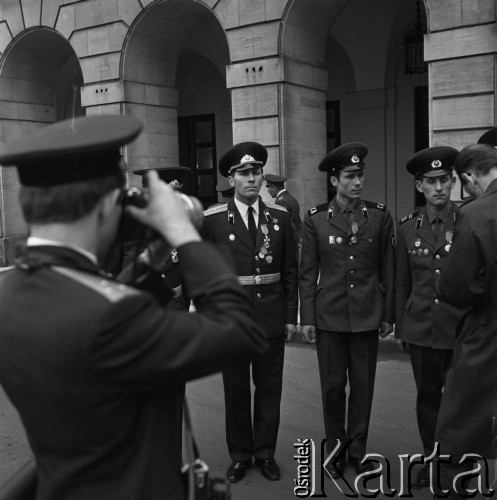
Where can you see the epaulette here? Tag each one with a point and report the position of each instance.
(216, 209)
(408, 217)
(110, 290)
(318, 208)
(276, 207)
(373, 204)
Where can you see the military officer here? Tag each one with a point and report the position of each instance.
(260, 239)
(89, 363)
(275, 185)
(466, 418)
(423, 320)
(346, 290)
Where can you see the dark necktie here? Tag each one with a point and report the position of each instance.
(437, 227)
(251, 224)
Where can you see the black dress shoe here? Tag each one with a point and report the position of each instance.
(269, 468)
(360, 467)
(423, 477)
(237, 469)
(336, 470)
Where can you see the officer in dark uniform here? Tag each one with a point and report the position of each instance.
(90, 363)
(346, 297)
(469, 280)
(275, 185)
(260, 239)
(424, 321)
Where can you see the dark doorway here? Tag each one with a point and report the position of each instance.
(197, 150)
(421, 131)
(333, 139)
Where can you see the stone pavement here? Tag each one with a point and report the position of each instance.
(393, 428)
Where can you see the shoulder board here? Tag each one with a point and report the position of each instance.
(408, 217)
(6, 268)
(276, 207)
(108, 289)
(216, 209)
(374, 204)
(318, 208)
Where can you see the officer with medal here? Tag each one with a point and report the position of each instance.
(346, 290)
(259, 237)
(93, 365)
(423, 321)
(275, 185)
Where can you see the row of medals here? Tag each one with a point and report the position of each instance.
(420, 251)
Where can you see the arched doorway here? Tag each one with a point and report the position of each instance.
(40, 81)
(174, 66)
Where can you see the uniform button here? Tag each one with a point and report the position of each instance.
(437, 301)
(256, 257)
(437, 271)
(351, 257)
(352, 271)
(437, 257)
(257, 270)
(259, 295)
(351, 285)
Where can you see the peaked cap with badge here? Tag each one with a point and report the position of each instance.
(73, 150)
(242, 156)
(167, 174)
(489, 137)
(274, 179)
(347, 157)
(432, 162)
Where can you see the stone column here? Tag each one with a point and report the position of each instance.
(282, 104)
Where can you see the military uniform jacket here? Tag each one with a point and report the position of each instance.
(347, 281)
(91, 364)
(285, 199)
(422, 317)
(275, 303)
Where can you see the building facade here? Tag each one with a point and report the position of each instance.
(299, 76)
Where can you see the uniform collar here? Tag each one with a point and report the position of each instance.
(35, 241)
(443, 216)
(242, 207)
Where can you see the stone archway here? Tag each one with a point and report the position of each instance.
(40, 78)
(174, 65)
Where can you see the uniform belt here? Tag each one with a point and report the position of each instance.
(177, 291)
(259, 279)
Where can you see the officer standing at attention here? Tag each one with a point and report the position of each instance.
(346, 298)
(466, 420)
(275, 185)
(260, 239)
(424, 321)
(89, 363)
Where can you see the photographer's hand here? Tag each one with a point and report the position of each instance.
(165, 213)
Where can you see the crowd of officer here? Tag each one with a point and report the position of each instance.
(98, 366)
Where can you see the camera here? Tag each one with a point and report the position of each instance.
(205, 487)
(132, 230)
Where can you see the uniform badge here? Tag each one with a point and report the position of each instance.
(426, 251)
(354, 227)
(417, 243)
(269, 259)
(339, 240)
(332, 240)
(276, 227)
(174, 255)
(353, 240)
(447, 247)
(231, 237)
(420, 252)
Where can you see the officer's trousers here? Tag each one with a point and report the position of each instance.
(342, 356)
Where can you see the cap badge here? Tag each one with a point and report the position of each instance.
(436, 164)
(247, 159)
(355, 159)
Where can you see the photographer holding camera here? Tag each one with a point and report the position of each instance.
(88, 362)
